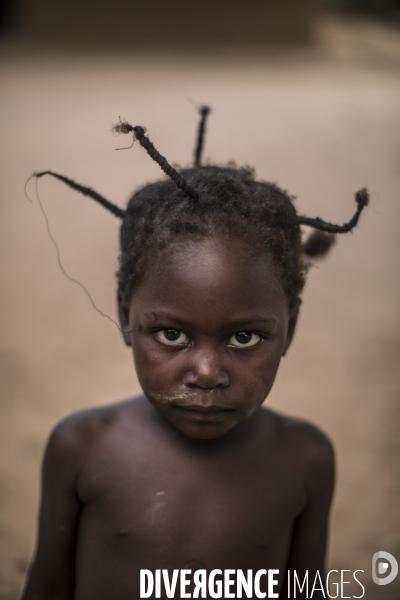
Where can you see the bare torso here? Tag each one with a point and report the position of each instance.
(151, 498)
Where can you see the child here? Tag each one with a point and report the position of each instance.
(195, 475)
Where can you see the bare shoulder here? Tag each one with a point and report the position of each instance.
(78, 431)
(307, 447)
(301, 436)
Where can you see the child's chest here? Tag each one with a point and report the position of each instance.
(171, 508)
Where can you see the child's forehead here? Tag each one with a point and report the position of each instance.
(216, 250)
(218, 271)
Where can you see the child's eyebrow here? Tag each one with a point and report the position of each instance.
(232, 324)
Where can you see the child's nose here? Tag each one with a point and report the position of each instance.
(206, 371)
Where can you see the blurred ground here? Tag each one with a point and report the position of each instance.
(322, 121)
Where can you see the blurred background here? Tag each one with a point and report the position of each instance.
(307, 92)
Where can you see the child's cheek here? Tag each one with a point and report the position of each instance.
(156, 368)
(260, 373)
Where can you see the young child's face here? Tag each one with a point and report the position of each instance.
(209, 324)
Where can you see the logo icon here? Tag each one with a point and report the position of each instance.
(383, 567)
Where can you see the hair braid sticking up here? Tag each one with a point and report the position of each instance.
(86, 191)
(139, 134)
(204, 112)
(362, 199)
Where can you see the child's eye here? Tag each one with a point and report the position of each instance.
(244, 339)
(172, 337)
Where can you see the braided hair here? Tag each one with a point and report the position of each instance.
(204, 201)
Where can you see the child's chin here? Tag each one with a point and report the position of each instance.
(204, 431)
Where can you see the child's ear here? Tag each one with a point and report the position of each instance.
(123, 314)
(292, 326)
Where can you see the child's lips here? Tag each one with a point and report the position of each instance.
(201, 412)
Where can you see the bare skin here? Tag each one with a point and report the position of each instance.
(195, 473)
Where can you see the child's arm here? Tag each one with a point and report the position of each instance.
(309, 539)
(52, 573)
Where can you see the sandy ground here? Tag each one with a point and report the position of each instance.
(322, 122)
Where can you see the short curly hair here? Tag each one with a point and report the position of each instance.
(230, 203)
(205, 201)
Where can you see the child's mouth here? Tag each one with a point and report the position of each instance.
(203, 413)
